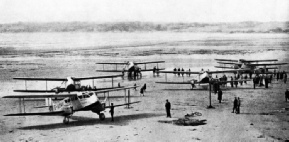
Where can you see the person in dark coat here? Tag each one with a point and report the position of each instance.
(183, 71)
(179, 71)
(175, 69)
(238, 105)
(189, 71)
(168, 109)
(281, 75)
(142, 91)
(220, 93)
(286, 95)
(266, 81)
(235, 105)
(285, 78)
(144, 87)
(232, 82)
(111, 111)
(245, 77)
(278, 73)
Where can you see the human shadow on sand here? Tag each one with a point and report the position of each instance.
(85, 121)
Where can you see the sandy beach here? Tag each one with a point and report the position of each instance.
(263, 116)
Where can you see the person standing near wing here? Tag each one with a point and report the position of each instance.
(168, 109)
(111, 111)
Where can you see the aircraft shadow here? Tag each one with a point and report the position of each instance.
(186, 89)
(246, 88)
(85, 121)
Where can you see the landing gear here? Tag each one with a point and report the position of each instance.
(66, 120)
(101, 116)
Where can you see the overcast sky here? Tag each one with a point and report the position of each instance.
(143, 10)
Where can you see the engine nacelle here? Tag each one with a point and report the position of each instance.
(68, 110)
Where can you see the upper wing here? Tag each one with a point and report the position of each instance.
(272, 64)
(45, 79)
(123, 104)
(114, 63)
(185, 72)
(53, 113)
(98, 77)
(150, 62)
(229, 63)
(228, 71)
(41, 96)
(223, 67)
(226, 60)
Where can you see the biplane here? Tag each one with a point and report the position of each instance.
(205, 77)
(82, 101)
(131, 67)
(71, 84)
(251, 66)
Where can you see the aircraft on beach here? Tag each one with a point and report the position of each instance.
(83, 101)
(205, 77)
(249, 66)
(131, 67)
(71, 83)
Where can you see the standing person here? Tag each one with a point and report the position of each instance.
(246, 77)
(278, 73)
(238, 105)
(236, 81)
(254, 81)
(135, 86)
(220, 93)
(266, 81)
(179, 71)
(285, 78)
(141, 91)
(232, 82)
(111, 111)
(241, 82)
(168, 109)
(183, 71)
(286, 95)
(175, 69)
(189, 72)
(144, 87)
(235, 105)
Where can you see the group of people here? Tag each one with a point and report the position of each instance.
(181, 70)
(280, 75)
(237, 104)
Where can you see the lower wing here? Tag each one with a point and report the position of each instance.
(54, 113)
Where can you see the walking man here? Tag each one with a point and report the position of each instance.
(235, 105)
(168, 109)
(286, 95)
(111, 111)
(220, 93)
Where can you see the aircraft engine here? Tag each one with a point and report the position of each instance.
(68, 110)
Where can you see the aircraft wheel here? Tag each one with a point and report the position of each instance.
(101, 116)
(66, 120)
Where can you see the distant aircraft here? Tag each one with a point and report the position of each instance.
(249, 66)
(83, 101)
(204, 77)
(131, 67)
(71, 83)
